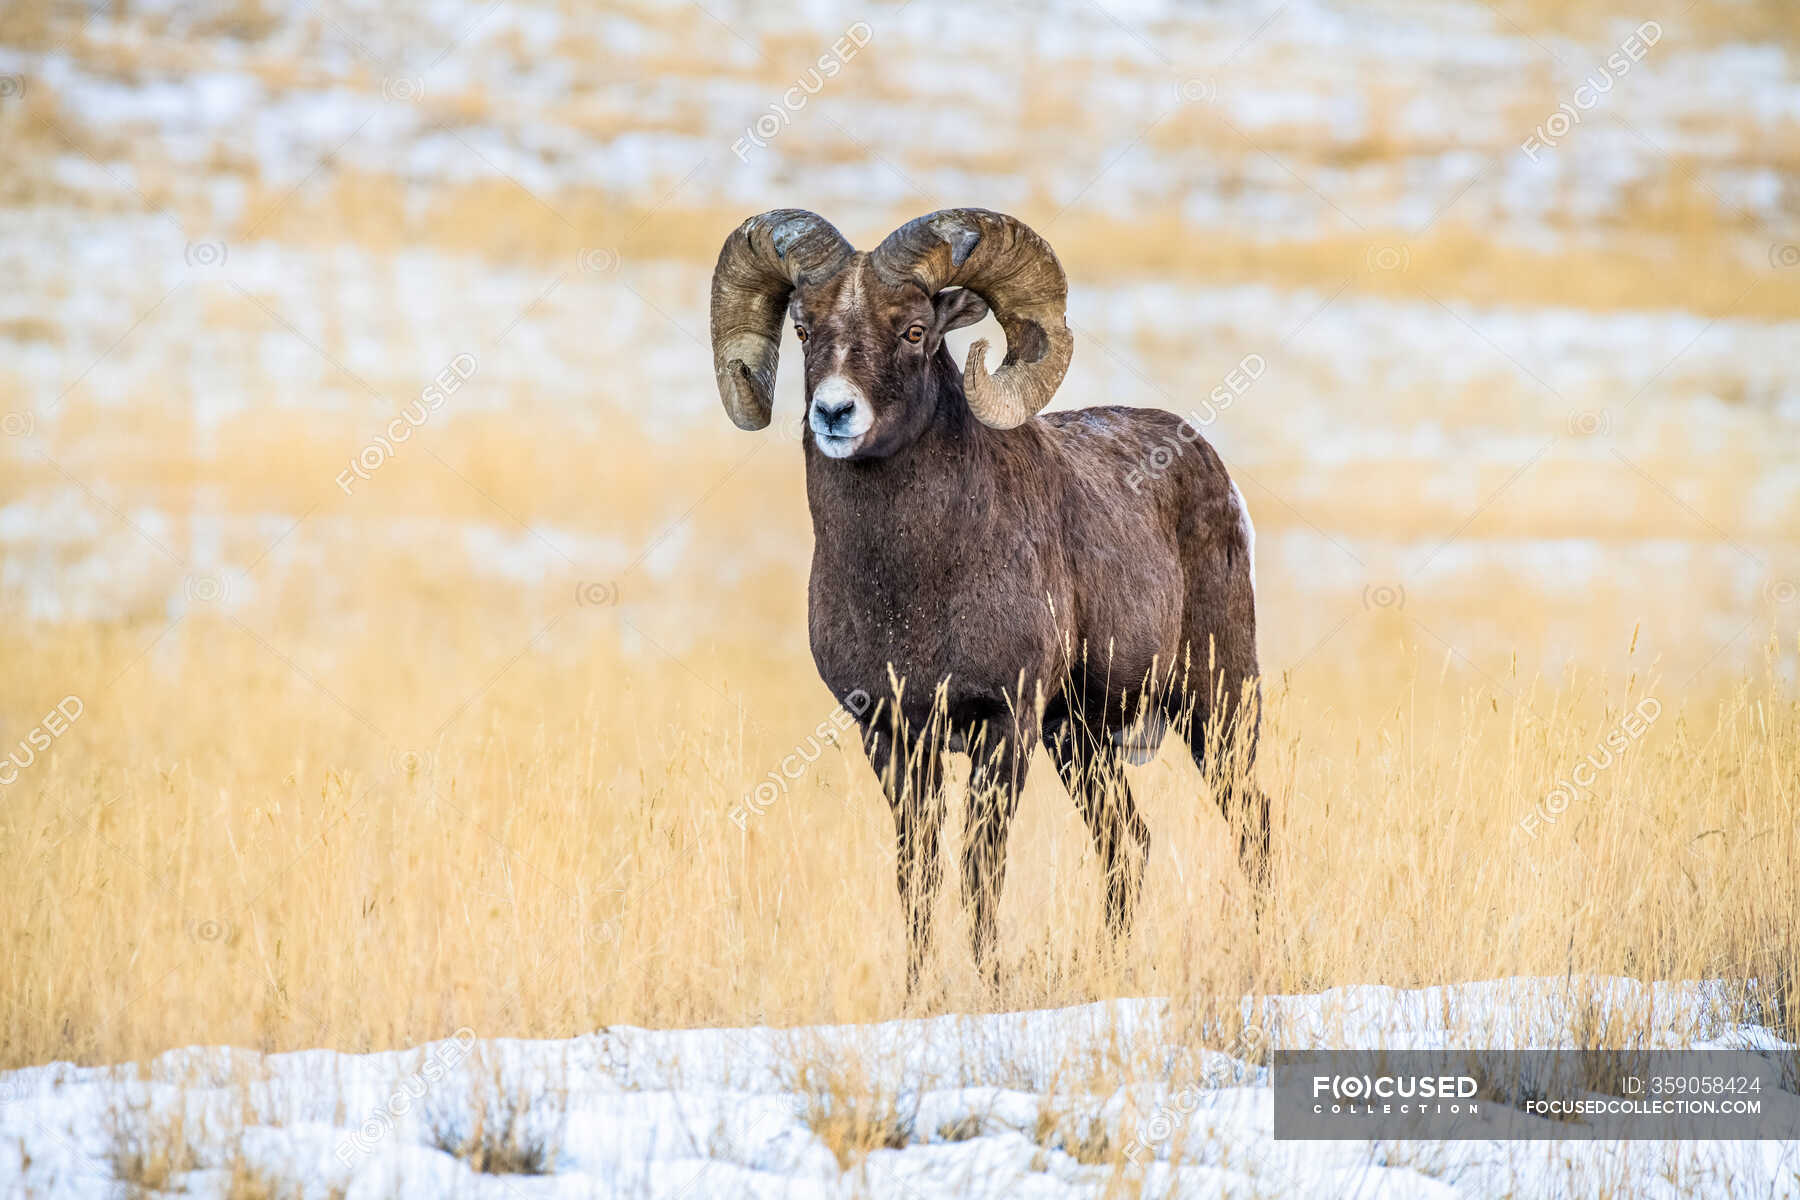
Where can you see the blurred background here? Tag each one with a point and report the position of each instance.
(1504, 300)
(1524, 278)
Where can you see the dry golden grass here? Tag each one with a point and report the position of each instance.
(364, 832)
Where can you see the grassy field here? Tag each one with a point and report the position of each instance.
(365, 837)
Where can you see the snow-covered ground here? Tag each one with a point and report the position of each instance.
(1052, 1103)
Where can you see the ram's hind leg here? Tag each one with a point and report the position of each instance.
(1221, 725)
(1094, 774)
(1217, 697)
(1217, 700)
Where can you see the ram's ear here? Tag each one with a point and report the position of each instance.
(957, 307)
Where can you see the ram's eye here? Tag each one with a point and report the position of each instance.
(914, 333)
(799, 331)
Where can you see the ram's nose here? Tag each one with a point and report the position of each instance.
(833, 416)
(839, 411)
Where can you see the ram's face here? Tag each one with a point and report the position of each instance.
(868, 346)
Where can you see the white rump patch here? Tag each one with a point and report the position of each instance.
(1249, 532)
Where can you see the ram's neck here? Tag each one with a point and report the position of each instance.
(908, 510)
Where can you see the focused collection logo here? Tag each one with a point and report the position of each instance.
(1395, 1095)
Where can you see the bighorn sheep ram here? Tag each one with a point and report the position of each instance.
(1004, 577)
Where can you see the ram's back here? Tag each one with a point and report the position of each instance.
(1154, 527)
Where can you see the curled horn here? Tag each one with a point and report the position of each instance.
(1001, 260)
(761, 263)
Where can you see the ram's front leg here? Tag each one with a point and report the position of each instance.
(911, 770)
(995, 781)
